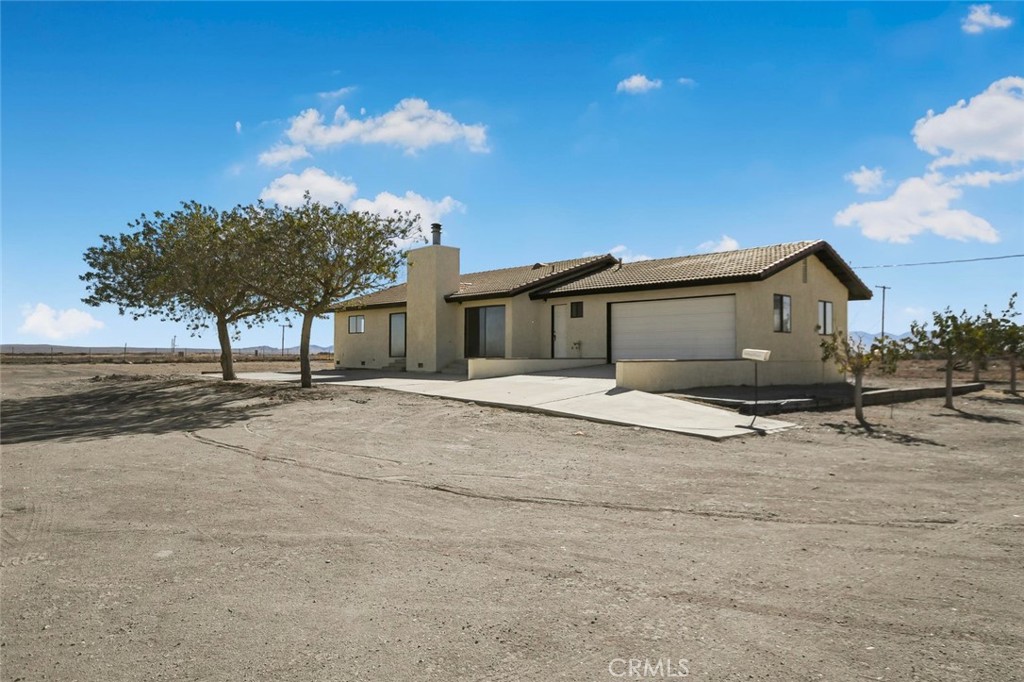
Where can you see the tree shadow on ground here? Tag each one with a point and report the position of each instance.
(988, 419)
(124, 405)
(1007, 399)
(868, 431)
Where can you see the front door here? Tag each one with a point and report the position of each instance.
(396, 333)
(560, 331)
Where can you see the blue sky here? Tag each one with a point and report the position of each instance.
(533, 131)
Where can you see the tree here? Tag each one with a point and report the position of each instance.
(1009, 338)
(980, 341)
(316, 255)
(852, 356)
(197, 266)
(950, 339)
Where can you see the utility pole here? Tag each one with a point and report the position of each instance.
(287, 325)
(884, 289)
(174, 339)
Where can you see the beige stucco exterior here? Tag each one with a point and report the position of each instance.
(369, 349)
(436, 328)
(754, 312)
(433, 273)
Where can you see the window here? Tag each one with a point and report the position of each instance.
(576, 309)
(356, 324)
(783, 313)
(825, 317)
(485, 332)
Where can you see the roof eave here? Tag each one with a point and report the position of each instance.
(646, 286)
(340, 308)
(558, 279)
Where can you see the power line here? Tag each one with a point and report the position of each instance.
(936, 262)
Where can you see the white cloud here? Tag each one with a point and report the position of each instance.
(985, 178)
(626, 255)
(56, 325)
(289, 189)
(726, 243)
(336, 94)
(688, 82)
(917, 206)
(238, 127)
(283, 154)
(637, 84)
(412, 124)
(989, 127)
(981, 18)
(866, 180)
(428, 210)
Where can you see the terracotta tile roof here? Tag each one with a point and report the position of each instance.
(511, 281)
(385, 298)
(595, 274)
(709, 268)
(490, 283)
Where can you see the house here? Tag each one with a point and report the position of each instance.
(667, 324)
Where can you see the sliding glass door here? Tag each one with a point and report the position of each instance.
(485, 332)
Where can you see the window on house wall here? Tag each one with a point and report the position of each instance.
(356, 324)
(576, 309)
(783, 313)
(485, 332)
(825, 317)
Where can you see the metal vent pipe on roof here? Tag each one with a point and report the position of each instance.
(435, 233)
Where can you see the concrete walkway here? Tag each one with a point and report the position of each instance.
(584, 394)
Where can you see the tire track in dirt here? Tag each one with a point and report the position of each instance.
(872, 625)
(766, 517)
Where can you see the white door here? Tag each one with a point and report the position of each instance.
(674, 329)
(560, 331)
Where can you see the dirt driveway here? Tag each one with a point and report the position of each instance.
(161, 527)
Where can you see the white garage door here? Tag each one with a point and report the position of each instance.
(674, 329)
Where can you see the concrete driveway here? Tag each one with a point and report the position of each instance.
(588, 393)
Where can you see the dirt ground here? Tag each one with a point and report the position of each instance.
(160, 526)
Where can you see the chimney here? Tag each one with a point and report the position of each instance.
(435, 233)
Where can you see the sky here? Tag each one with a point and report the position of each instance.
(533, 132)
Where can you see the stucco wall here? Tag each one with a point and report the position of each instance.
(670, 375)
(528, 322)
(369, 349)
(433, 273)
(485, 368)
(521, 325)
(754, 313)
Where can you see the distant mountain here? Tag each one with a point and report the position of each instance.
(868, 338)
(292, 350)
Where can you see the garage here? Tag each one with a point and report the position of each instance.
(701, 328)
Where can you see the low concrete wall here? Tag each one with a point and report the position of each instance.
(673, 375)
(486, 368)
(905, 395)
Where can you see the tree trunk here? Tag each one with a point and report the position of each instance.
(1013, 373)
(307, 327)
(976, 368)
(949, 383)
(227, 363)
(858, 396)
